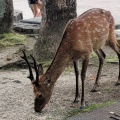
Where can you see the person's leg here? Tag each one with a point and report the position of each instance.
(33, 9)
(36, 11)
(39, 5)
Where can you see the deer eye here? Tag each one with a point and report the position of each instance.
(40, 96)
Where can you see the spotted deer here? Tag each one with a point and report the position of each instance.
(89, 32)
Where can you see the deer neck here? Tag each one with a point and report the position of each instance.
(58, 64)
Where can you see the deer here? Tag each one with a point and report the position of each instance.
(90, 31)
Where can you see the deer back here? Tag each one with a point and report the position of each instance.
(90, 31)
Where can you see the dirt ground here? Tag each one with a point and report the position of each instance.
(17, 99)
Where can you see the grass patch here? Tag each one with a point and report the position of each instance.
(111, 59)
(11, 39)
(93, 56)
(46, 64)
(75, 111)
(94, 62)
(69, 69)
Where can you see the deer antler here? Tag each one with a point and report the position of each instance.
(31, 77)
(36, 69)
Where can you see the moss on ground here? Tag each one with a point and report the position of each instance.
(12, 39)
(75, 111)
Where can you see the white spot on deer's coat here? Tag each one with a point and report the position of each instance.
(77, 24)
(95, 17)
(97, 11)
(94, 21)
(97, 29)
(104, 19)
(106, 26)
(95, 38)
(80, 41)
(91, 21)
(89, 16)
(101, 25)
(104, 29)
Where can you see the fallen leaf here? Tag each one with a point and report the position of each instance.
(92, 77)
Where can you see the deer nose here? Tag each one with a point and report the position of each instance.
(37, 110)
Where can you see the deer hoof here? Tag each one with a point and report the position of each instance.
(117, 83)
(82, 107)
(85, 104)
(76, 101)
(94, 90)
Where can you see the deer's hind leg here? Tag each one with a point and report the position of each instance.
(101, 55)
(77, 95)
(118, 82)
(116, 47)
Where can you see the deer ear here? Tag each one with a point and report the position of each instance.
(40, 69)
(47, 81)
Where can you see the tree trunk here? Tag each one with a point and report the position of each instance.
(6, 16)
(55, 14)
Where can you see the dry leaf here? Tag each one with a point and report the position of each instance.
(91, 77)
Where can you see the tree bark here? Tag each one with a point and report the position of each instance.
(6, 16)
(55, 14)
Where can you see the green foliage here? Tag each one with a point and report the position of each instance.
(11, 39)
(93, 56)
(95, 106)
(75, 111)
(69, 69)
(111, 59)
(46, 64)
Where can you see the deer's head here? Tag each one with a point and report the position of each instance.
(41, 84)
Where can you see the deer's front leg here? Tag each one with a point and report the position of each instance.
(77, 95)
(83, 75)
